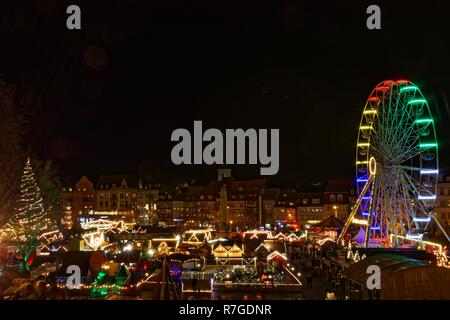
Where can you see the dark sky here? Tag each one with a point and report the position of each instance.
(105, 98)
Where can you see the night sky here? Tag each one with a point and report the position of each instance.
(106, 98)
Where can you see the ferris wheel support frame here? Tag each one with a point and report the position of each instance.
(355, 208)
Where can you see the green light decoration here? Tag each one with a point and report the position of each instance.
(101, 276)
(408, 88)
(428, 145)
(417, 101)
(99, 292)
(424, 120)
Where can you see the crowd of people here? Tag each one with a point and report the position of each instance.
(319, 272)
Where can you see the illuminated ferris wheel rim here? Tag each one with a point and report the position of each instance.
(368, 110)
(392, 141)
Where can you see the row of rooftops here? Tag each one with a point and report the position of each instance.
(106, 182)
(236, 190)
(251, 190)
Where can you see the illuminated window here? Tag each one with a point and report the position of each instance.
(340, 198)
(316, 201)
(333, 198)
(305, 201)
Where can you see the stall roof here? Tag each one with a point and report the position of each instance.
(403, 277)
(330, 222)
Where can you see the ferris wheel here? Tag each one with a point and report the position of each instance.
(397, 166)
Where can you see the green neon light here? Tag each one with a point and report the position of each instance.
(427, 145)
(408, 88)
(417, 101)
(424, 120)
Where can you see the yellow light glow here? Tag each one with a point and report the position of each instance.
(370, 111)
(360, 222)
(372, 166)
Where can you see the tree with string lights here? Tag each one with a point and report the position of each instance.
(30, 218)
(30, 215)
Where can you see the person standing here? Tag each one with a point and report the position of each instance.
(309, 281)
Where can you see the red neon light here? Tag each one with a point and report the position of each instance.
(382, 88)
(388, 82)
(374, 99)
(402, 81)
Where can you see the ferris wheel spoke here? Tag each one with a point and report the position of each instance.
(419, 190)
(404, 145)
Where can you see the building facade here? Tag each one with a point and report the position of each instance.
(338, 198)
(285, 211)
(79, 199)
(115, 197)
(310, 208)
(442, 206)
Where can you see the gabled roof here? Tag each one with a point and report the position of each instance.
(107, 181)
(280, 235)
(330, 222)
(275, 254)
(262, 247)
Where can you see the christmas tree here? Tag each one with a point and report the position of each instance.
(30, 214)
